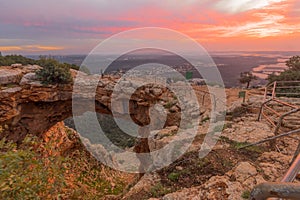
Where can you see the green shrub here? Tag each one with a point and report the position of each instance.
(54, 72)
(246, 194)
(174, 176)
(159, 190)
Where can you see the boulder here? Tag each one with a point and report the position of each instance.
(28, 78)
(10, 76)
(16, 65)
(244, 170)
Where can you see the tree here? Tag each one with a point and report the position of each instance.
(293, 63)
(288, 75)
(247, 77)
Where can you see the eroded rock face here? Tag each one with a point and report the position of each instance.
(60, 140)
(31, 107)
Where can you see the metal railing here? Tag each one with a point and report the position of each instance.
(273, 92)
(282, 88)
(284, 189)
(280, 116)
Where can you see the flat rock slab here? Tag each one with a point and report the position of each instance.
(10, 76)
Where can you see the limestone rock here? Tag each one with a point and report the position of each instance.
(10, 76)
(157, 91)
(189, 193)
(143, 186)
(28, 78)
(33, 107)
(16, 65)
(31, 68)
(244, 170)
(274, 165)
(250, 131)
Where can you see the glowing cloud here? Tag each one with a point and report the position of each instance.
(237, 6)
(77, 27)
(10, 48)
(30, 48)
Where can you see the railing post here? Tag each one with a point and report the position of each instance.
(266, 91)
(274, 90)
(293, 171)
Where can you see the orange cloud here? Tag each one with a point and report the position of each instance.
(271, 21)
(219, 24)
(10, 48)
(31, 48)
(42, 48)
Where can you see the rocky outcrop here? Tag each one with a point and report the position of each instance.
(13, 74)
(31, 107)
(248, 172)
(247, 131)
(237, 182)
(230, 186)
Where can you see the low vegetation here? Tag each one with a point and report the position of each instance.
(246, 194)
(54, 72)
(33, 171)
(13, 59)
(24, 174)
(254, 150)
(159, 190)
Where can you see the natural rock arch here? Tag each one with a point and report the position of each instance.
(33, 108)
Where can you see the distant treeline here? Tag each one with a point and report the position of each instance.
(13, 59)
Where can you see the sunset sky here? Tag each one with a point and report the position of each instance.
(77, 26)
